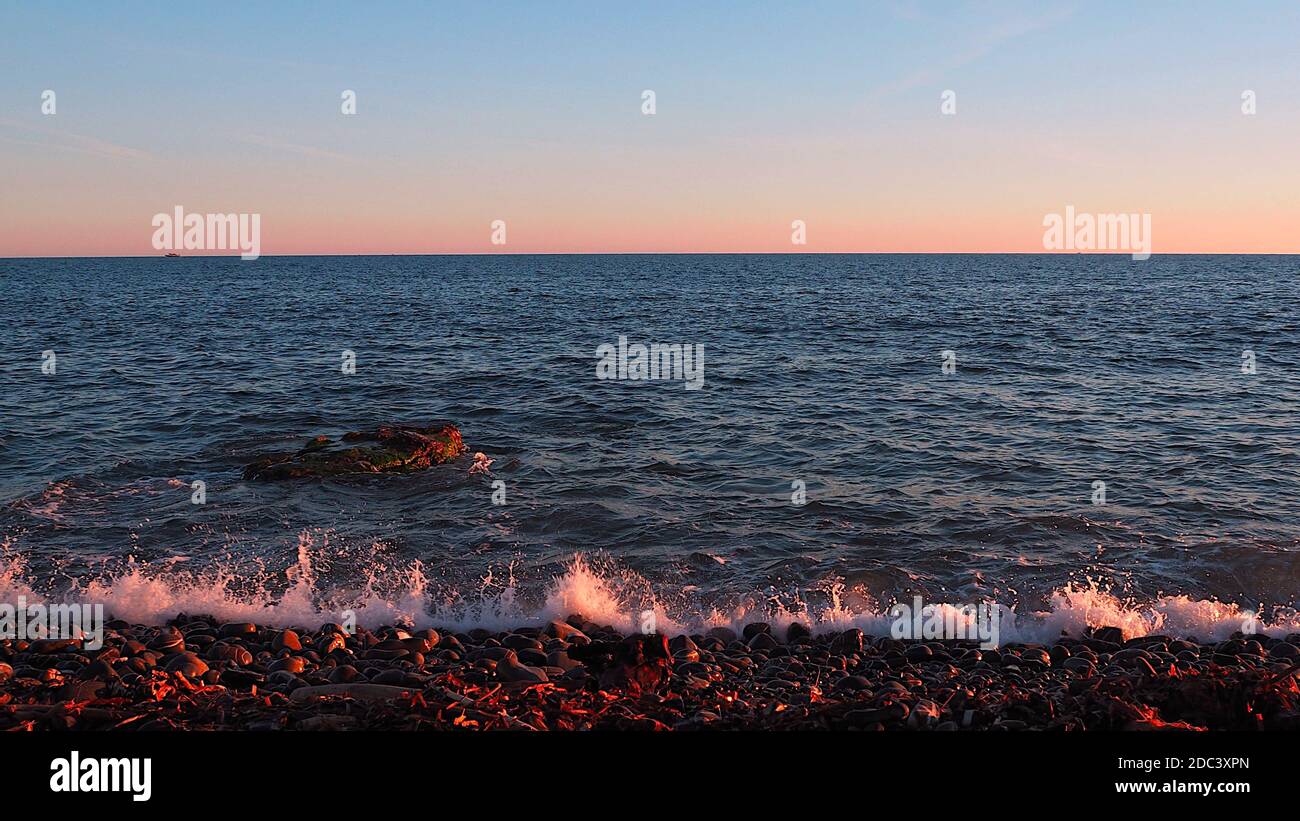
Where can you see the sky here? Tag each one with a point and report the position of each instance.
(765, 113)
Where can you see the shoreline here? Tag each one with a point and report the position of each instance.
(198, 673)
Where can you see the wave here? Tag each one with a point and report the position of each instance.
(607, 595)
(89, 495)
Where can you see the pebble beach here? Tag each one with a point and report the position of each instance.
(197, 673)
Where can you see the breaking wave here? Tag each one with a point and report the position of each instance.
(599, 590)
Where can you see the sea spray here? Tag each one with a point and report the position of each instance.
(600, 590)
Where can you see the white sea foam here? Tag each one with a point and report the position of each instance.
(141, 594)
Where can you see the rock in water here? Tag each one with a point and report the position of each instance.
(387, 449)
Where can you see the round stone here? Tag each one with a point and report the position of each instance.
(188, 664)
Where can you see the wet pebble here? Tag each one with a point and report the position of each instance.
(848, 642)
(797, 632)
(918, 652)
(514, 641)
(1080, 665)
(853, 683)
(754, 628)
(286, 640)
(289, 664)
(763, 641)
(563, 630)
(1284, 650)
(237, 630)
(1112, 635)
(531, 657)
(509, 669)
(188, 664)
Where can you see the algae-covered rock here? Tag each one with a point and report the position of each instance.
(387, 449)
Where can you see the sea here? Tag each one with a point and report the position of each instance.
(1079, 440)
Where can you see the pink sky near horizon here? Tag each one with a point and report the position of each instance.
(960, 191)
(291, 230)
(322, 238)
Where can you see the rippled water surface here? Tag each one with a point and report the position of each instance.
(824, 369)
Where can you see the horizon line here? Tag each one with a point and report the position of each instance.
(677, 253)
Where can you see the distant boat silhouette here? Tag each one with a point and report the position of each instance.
(171, 254)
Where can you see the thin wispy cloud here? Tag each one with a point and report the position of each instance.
(983, 44)
(70, 141)
(293, 148)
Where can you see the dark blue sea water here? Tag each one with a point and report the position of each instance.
(1070, 370)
